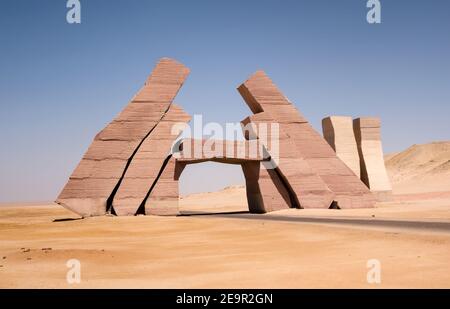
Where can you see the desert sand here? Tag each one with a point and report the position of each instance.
(420, 168)
(314, 248)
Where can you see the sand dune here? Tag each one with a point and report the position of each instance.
(420, 168)
(230, 199)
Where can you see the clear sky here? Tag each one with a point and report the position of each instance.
(61, 83)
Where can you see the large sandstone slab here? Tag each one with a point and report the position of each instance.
(164, 195)
(300, 148)
(338, 132)
(147, 163)
(373, 171)
(264, 188)
(95, 178)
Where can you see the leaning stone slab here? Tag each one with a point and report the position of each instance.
(264, 188)
(163, 197)
(96, 177)
(300, 148)
(147, 163)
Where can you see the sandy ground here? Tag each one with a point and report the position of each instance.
(227, 251)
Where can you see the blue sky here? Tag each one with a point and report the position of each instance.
(62, 83)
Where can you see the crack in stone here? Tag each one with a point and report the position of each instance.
(109, 201)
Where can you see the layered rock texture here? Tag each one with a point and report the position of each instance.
(133, 165)
(307, 166)
(147, 163)
(373, 171)
(96, 184)
(223, 151)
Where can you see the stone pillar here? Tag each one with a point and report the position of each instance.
(373, 171)
(338, 132)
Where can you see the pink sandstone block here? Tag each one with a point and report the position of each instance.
(146, 165)
(264, 189)
(269, 104)
(99, 172)
(164, 197)
(234, 152)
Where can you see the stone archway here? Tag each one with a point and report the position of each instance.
(265, 190)
(126, 169)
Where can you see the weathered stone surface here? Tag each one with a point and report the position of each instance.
(373, 171)
(313, 187)
(102, 166)
(308, 189)
(108, 150)
(133, 165)
(338, 132)
(224, 151)
(164, 196)
(147, 163)
(264, 188)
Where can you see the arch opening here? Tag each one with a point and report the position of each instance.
(211, 188)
